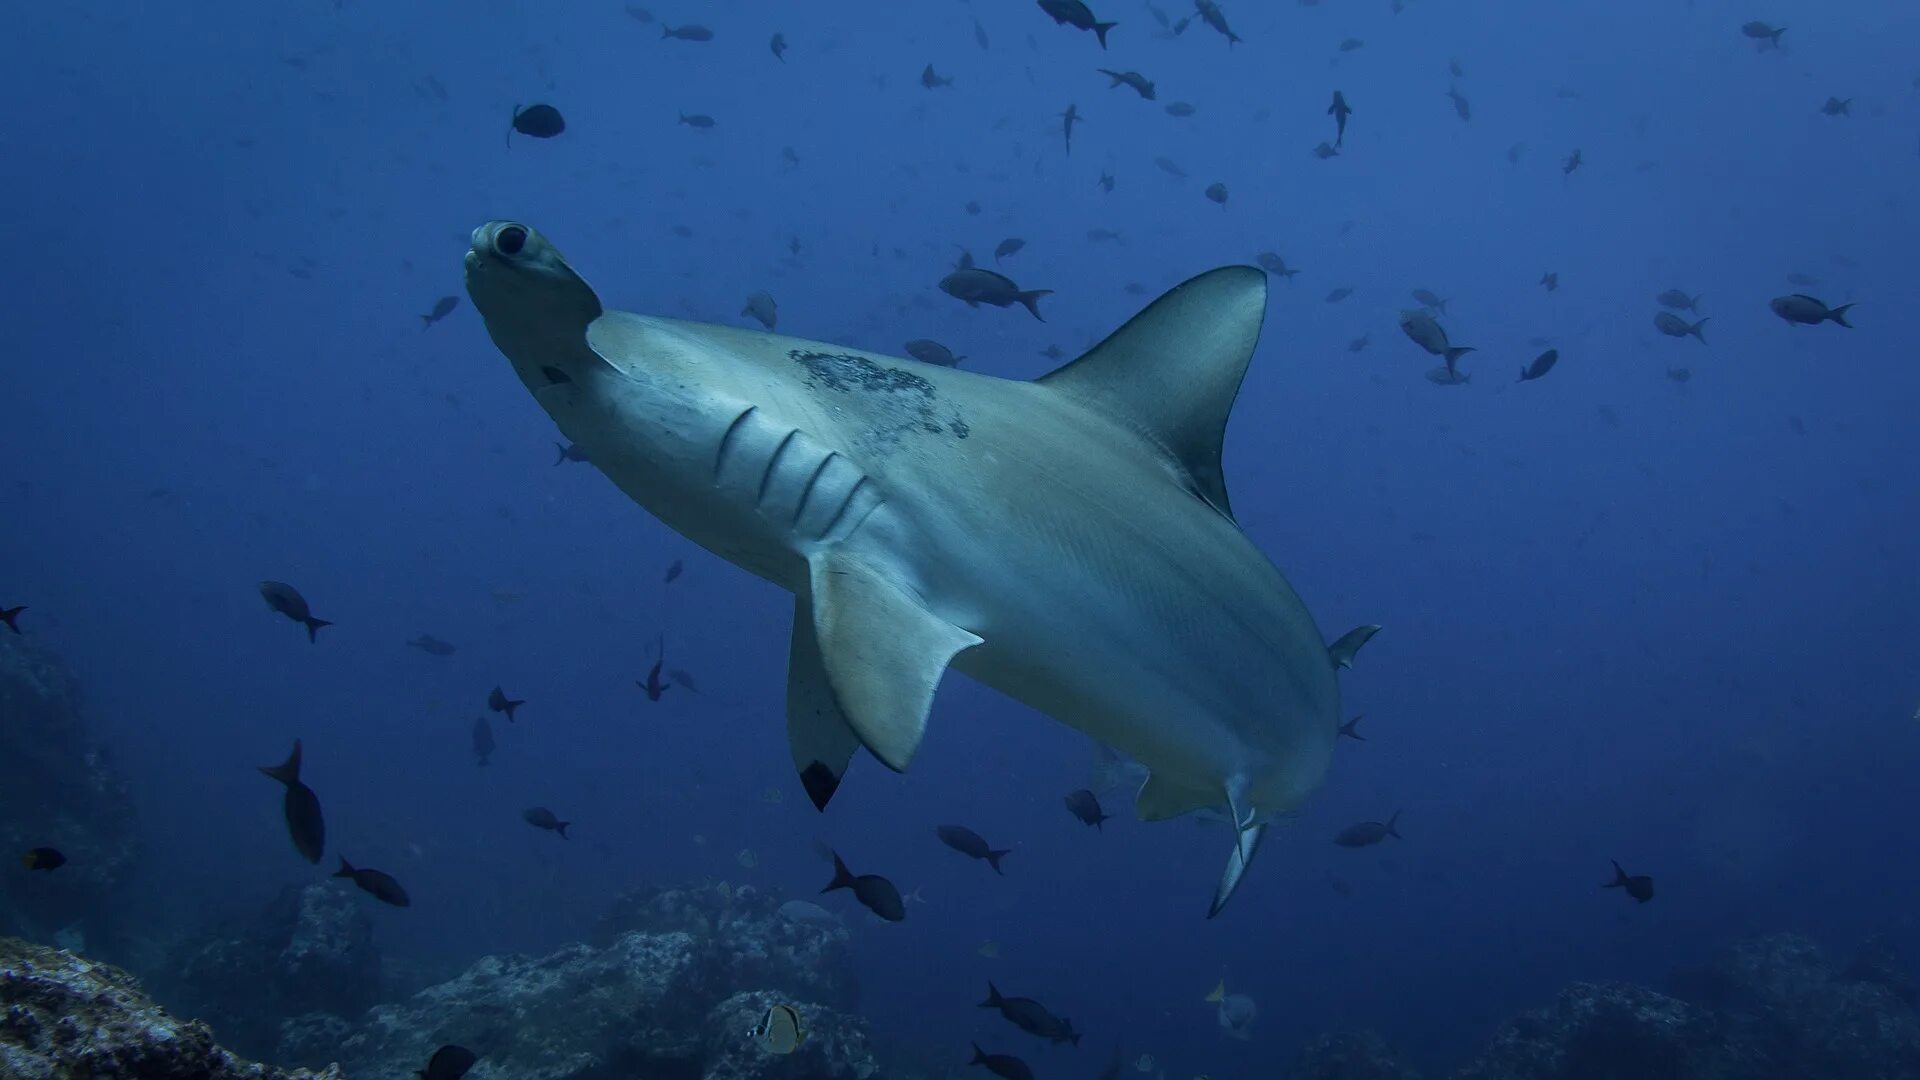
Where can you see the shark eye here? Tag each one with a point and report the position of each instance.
(510, 241)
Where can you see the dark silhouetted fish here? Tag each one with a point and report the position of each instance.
(779, 47)
(450, 1062)
(301, 807)
(1837, 106)
(1763, 34)
(696, 120)
(1540, 366)
(1808, 311)
(1210, 13)
(499, 702)
(1674, 326)
(1573, 162)
(933, 80)
(565, 452)
(1085, 805)
(1368, 833)
(1336, 295)
(378, 882)
(1325, 150)
(1076, 14)
(43, 858)
(1010, 246)
(1140, 83)
(1005, 1066)
(929, 351)
(1680, 301)
(536, 121)
(483, 740)
(542, 818)
(1427, 333)
(432, 646)
(1180, 109)
(761, 306)
(1273, 264)
(674, 569)
(1460, 105)
(287, 600)
(686, 33)
(876, 893)
(967, 842)
(1550, 280)
(1351, 729)
(654, 687)
(1638, 886)
(1428, 298)
(1031, 1017)
(442, 308)
(1217, 193)
(975, 286)
(1339, 110)
(1068, 119)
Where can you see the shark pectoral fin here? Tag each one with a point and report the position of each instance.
(818, 734)
(1241, 857)
(1161, 799)
(1172, 372)
(883, 653)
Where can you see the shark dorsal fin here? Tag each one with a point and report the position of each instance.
(1172, 372)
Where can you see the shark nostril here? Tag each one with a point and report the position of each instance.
(554, 375)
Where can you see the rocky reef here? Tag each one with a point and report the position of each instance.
(66, 1016)
(310, 951)
(669, 988)
(62, 791)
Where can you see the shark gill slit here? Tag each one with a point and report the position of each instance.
(800, 507)
(773, 464)
(844, 504)
(726, 440)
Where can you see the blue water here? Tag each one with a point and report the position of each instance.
(1626, 618)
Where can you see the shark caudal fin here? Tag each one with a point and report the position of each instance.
(1172, 372)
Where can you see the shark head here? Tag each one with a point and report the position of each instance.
(536, 308)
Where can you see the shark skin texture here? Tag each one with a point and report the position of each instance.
(1068, 541)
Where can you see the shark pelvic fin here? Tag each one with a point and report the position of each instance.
(882, 651)
(1342, 652)
(1172, 372)
(1160, 799)
(817, 731)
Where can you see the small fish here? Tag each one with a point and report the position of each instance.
(760, 305)
(1010, 246)
(287, 600)
(1170, 167)
(1680, 374)
(696, 120)
(779, 46)
(1808, 311)
(874, 892)
(1234, 1011)
(450, 1062)
(1347, 645)
(1428, 299)
(1105, 183)
(1053, 352)
(9, 615)
(1763, 34)
(1460, 105)
(43, 858)
(1339, 110)
(1837, 106)
(1076, 14)
(1540, 366)
(499, 702)
(1217, 193)
(542, 818)
(1351, 729)
(928, 351)
(681, 678)
(1351, 44)
(1357, 344)
(932, 79)
(639, 14)
(431, 645)
(779, 1031)
(1572, 163)
(442, 308)
(1085, 805)
(1674, 326)
(1550, 280)
(1325, 150)
(565, 452)
(1068, 119)
(1446, 376)
(378, 882)
(1339, 294)
(653, 686)
(1679, 301)
(674, 570)
(1638, 886)
(967, 842)
(483, 740)
(1005, 1066)
(1179, 108)
(1273, 264)
(536, 121)
(1140, 83)
(1368, 833)
(301, 807)
(1425, 332)
(980, 34)
(1031, 1017)
(975, 286)
(685, 33)
(1210, 13)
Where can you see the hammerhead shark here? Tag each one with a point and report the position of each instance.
(1067, 541)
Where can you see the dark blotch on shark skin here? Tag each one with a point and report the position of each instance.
(845, 373)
